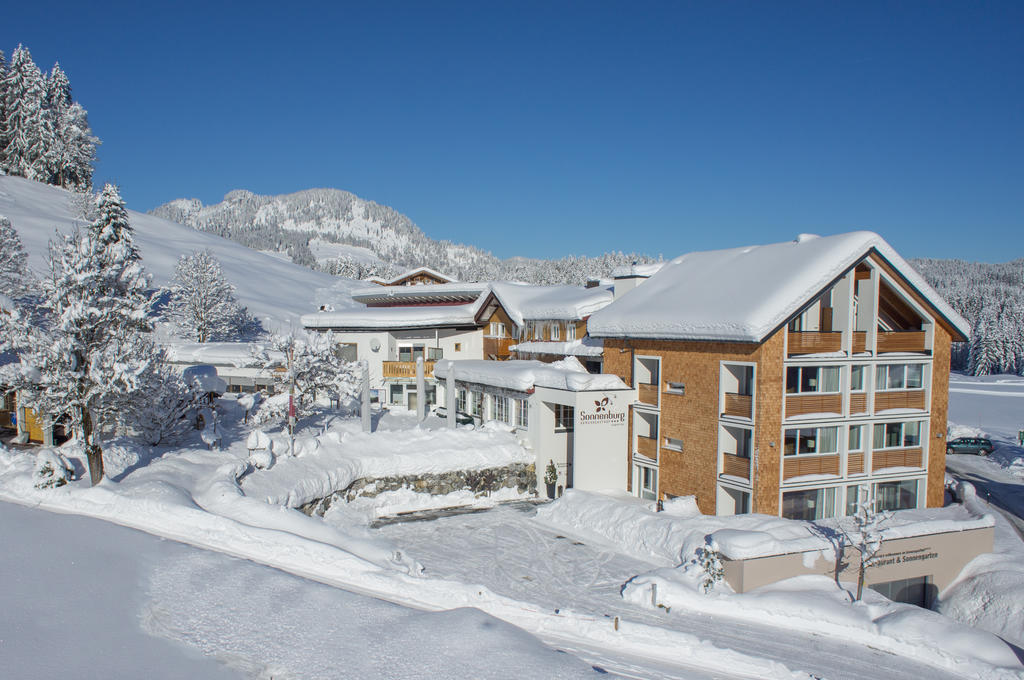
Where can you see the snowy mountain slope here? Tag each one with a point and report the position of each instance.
(276, 291)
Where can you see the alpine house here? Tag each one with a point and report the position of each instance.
(780, 379)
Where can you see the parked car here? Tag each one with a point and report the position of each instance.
(975, 445)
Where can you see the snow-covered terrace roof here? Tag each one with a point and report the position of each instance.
(393, 318)
(641, 270)
(522, 376)
(744, 294)
(525, 302)
(585, 347)
(238, 354)
(425, 294)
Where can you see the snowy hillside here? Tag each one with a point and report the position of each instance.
(338, 232)
(276, 292)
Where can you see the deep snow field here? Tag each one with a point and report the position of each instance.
(482, 592)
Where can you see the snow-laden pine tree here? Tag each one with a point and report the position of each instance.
(15, 279)
(305, 366)
(27, 129)
(168, 408)
(73, 149)
(203, 304)
(96, 346)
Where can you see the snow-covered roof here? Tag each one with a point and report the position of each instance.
(372, 318)
(637, 270)
(522, 376)
(437, 292)
(238, 354)
(421, 270)
(585, 347)
(744, 294)
(523, 301)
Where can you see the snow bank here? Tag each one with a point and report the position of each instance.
(522, 376)
(341, 457)
(394, 317)
(586, 347)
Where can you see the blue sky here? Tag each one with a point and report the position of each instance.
(549, 128)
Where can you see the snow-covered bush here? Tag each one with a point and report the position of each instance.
(52, 469)
(710, 560)
(261, 459)
(168, 406)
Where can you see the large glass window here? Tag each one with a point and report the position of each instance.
(648, 482)
(809, 379)
(856, 438)
(853, 498)
(809, 504)
(896, 495)
(856, 378)
(896, 435)
(555, 331)
(899, 377)
(812, 440)
(501, 410)
(476, 403)
(461, 401)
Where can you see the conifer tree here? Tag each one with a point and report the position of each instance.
(203, 303)
(74, 147)
(28, 131)
(15, 280)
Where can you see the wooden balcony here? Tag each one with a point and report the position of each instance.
(498, 348)
(735, 466)
(855, 463)
(901, 341)
(647, 446)
(798, 466)
(406, 369)
(858, 402)
(814, 342)
(738, 405)
(802, 404)
(899, 399)
(896, 458)
(860, 342)
(647, 394)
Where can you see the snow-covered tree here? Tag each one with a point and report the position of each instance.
(203, 304)
(15, 279)
(306, 366)
(866, 535)
(27, 129)
(73, 149)
(709, 558)
(95, 349)
(169, 408)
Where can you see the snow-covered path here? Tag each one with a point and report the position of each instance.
(506, 551)
(80, 596)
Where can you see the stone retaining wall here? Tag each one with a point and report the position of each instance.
(520, 476)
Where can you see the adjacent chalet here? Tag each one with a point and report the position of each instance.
(414, 277)
(778, 379)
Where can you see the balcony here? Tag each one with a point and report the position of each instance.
(798, 466)
(855, 464)
(896, 458)
(647, 446)
(738, 405)
(406, 369)
(498, 348)
(648, 394)
(858, 403)
(901, 341)
(809, 342)
(802, 404)
(899, 399)
(860, 342)
(735, 466)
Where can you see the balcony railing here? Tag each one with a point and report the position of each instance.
(738, 405)
(648, 394)
(860, 342)
(647, 446)
(896, 458)
(858, 402)
(901, 341)
(812, 342)
(798, 466)
(802, 404)
(406, 369)
(735, 466)
(899, 399)
(855, 463)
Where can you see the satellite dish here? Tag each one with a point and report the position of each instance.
(375, 345)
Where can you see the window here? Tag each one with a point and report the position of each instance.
(522, 413)
(856, 378)
(899, 377)
(896, 495)
(674, 444)
(676, 388)
(804, 379)
(476, 403)
(536, 330)
(564, 417)
(396, 394)
(811, 441)
(809, 504)
(458, 347)
(497, 329)
(570, 331)
(501, 411)
(410, 353)
(853, 498)
(648, 482)
(856, 438)
(461, 401)
(897, 435)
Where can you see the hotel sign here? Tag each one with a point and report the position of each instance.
(603, 412)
